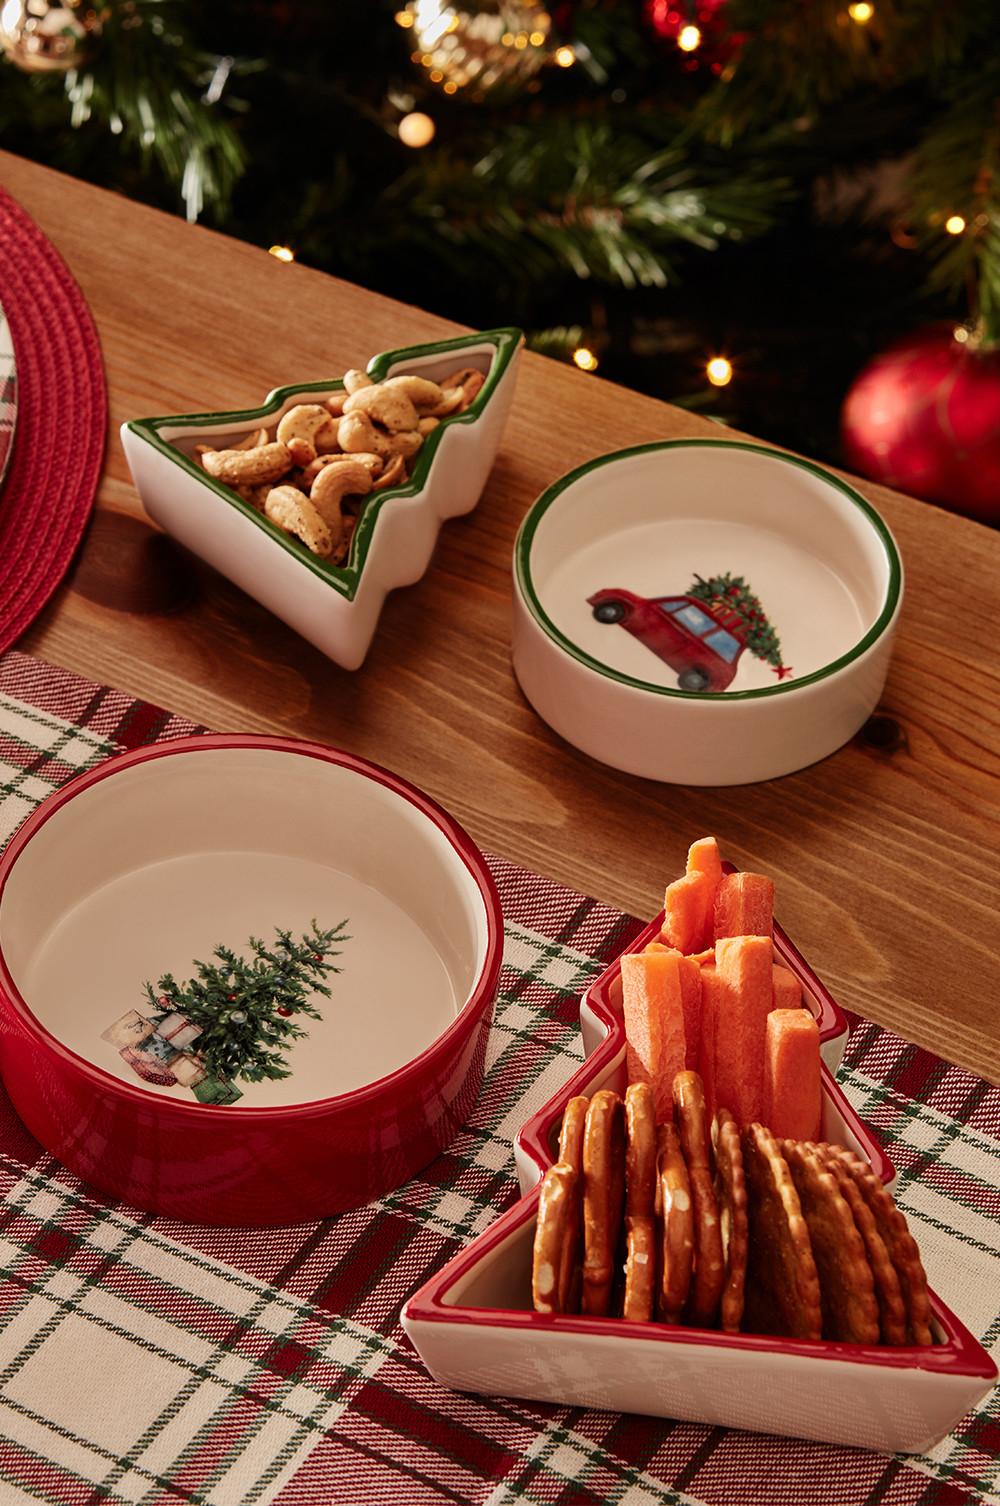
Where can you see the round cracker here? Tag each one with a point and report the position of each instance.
(847, 1288)
(899, 1242)
(640, 1151)
(603, 1198)
(733, 1227)
(691, 1114)
(675, 1216)
(782, 1286)
(571, 1133)
(557, 1241)
(640, 1271)
(888, 1292)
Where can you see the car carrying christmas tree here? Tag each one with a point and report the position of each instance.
(234, 1019)
(730, 594)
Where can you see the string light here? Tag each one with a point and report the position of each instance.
(585, 359)
(960, 333)
(281, 253)
(537, 39)
(416, 129)
(404, 18)
(689, 38)
(954, 224)
(861, 12)
(564, 57)
(719, 371)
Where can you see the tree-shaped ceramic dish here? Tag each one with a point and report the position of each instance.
(336, 607)
(475, 1329)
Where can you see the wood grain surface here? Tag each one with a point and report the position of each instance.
(885, 855)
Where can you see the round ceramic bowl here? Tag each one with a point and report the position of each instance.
(140, 869)
(704, 611)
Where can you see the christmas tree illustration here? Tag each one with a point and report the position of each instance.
(235, 1018)
(732, 594)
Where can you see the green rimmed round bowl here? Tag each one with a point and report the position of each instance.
(704, 611)
(336, 607)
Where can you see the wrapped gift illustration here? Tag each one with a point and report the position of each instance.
(157, 1048)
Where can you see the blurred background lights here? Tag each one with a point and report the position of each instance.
(954, 224)
(585, 359)
(416, 129)
(281, 253)
(689, 38)
(719, 371)
(565, 57)
(861, 12)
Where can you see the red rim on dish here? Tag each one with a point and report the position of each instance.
(49, 489)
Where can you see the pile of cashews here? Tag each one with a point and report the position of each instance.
(325, 457)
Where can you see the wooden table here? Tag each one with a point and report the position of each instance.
(885, 854)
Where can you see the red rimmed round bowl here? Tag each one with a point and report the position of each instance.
(139, 869)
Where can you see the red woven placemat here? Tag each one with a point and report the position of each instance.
(144, 1361)
(61, 422)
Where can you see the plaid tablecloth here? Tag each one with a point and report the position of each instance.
(148, 1361)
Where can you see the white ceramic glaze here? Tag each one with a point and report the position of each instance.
(231, 843)
(336, 609)
(647, 521)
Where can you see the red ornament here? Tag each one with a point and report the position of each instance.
(283, 1011)
(317, 957)
(924, 417)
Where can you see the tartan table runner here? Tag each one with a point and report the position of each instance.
(145, 1361)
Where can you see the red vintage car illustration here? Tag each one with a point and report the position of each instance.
(699, 639)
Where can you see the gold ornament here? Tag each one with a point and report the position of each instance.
(44, 36)
(478, 47)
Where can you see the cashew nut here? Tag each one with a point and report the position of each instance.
(394, 473)
(427, 425)
(335, 403)
(255, 495)
(421, 392)
(253, 440)
(268, 462)
(470, 379)
(295, 513)
(372, 463)
(386, 405)
(354, 380)
(452, 399)
(356, 434)
(406, 443)
(303, 429)
(332, 485)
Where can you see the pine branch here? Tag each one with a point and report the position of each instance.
(559, 193)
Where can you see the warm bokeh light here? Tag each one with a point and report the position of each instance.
(719, 371)
(960, 333)
(585, 359)
(861, 11)
(689, 38)
(565, 57)
(537, 39)
(281, 253)
(416, 129)
(404, 18)
(954, 224)
(451, 87)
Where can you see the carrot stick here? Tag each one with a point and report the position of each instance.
(744, 906)
(711, 1008)
(786, 990)
(688, 907)
(792, 1106)
(744, 965)
(654, 1022)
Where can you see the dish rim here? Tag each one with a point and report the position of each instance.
(480, 994)
(529, 596)
(346, 578)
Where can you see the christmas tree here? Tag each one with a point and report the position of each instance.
(730, 595)
(242, 1011)
(730, 203)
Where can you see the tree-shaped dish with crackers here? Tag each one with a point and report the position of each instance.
(706, 1230)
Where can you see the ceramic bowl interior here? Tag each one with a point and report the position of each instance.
(491, 353)
(231, 842)
(642, 525)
